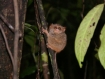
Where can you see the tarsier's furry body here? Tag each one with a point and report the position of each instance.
(56, 37)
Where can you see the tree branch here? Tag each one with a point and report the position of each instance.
(7, 46)
(16, 39)
(83, 6)
(51, 52)
(42, 44)
(6, 22)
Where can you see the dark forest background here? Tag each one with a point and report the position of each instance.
(68, 14)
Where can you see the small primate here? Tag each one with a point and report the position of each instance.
(56, 37)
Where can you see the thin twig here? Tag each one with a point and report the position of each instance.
(7, 23)
(37, 16)
(55, 66)
(85, 70)
(39, 61)
(7, 46)
(39, 27)
(83, 6)
(42, 46)
(41, 12)
(51, 52)
(16, 39)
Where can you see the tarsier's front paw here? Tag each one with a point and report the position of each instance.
(44, 30)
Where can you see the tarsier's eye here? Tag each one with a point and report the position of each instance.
(55, 27)
(59, 28)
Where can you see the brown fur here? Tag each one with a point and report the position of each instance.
(56, 38)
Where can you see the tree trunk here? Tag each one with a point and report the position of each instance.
(7, 10)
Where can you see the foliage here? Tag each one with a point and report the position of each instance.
(66, 13)
(28, 71)
(101, 52)
(30, 35)
(30, 32)
(86, 31)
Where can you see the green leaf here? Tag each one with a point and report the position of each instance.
(86, 31)
(101, 52)
(30, 35)
(28, 71)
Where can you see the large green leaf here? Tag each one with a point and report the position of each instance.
(86, 31)
(101, 52)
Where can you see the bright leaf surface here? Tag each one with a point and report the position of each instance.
(86, 31)
(101, 52)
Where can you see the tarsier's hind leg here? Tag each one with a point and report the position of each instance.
(49, 46)
(54, 48)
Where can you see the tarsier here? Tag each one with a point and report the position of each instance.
(56, 37)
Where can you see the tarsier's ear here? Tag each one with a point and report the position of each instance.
(51, 23)
(64, 28)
